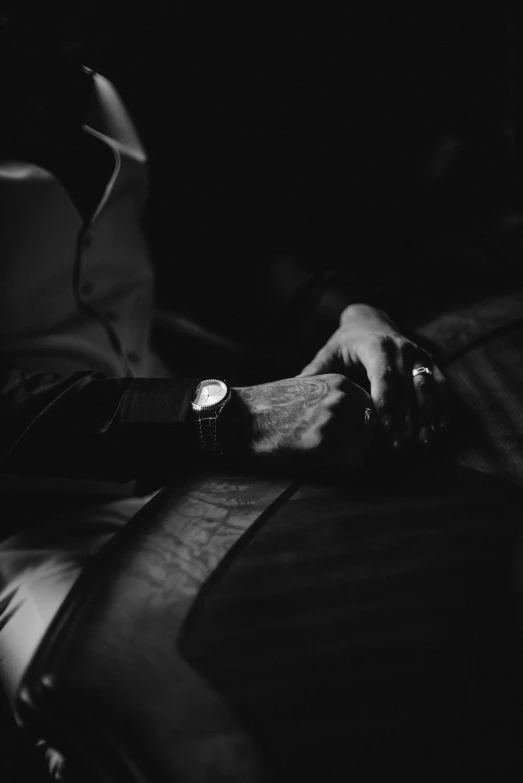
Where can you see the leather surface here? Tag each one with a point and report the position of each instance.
(367, 630)
(353, 632)
(110, 666)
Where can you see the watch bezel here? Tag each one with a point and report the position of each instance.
(212, 405)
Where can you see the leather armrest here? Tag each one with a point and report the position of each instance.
(109, 687)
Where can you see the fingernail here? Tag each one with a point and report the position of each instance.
(425, 437)
(386, 422)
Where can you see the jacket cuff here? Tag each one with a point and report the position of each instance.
(153, 427)
(151, 401)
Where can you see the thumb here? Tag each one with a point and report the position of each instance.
(320, 364)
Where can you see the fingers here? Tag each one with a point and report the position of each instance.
(430, 400)
(350, 436)
(386, 389)
(423, 394)
(412, 405)
(314, 368)
(322, 363)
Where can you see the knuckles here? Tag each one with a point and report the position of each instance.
(385, 372)
(382, 343)
(334, 379)
(344, 391)
(391, 345)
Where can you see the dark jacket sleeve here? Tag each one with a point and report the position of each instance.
(87, 426)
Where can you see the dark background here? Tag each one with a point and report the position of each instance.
(347, 135)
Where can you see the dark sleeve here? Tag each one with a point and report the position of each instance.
(87, 426)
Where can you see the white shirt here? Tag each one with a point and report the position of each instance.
(42, 326)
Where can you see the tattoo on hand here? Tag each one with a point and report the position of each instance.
(284, 411)
(305, 392)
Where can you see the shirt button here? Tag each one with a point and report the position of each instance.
(133, 357)
(86, 289)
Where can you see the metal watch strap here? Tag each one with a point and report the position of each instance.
(207, 430)
(207, 425)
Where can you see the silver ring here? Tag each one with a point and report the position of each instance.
(421, 371)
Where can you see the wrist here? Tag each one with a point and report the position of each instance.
(235, 425)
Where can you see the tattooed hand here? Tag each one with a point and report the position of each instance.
(324, 420)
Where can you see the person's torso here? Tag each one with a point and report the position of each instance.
(77, 292)
(76, 280)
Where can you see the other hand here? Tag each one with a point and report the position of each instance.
(411, 408)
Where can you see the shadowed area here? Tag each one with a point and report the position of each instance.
(370, 634)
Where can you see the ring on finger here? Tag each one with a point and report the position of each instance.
(421, 371)
(423, 394)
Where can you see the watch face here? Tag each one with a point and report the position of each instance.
(209, 393)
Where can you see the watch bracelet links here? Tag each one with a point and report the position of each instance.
(208, 427)
(207, 431)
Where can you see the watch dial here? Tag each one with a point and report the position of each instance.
(209, 393)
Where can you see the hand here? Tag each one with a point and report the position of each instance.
(411, 409)
(321, 421)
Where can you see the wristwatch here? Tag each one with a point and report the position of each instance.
(210, 398)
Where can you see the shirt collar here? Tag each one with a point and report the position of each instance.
(108, 119)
